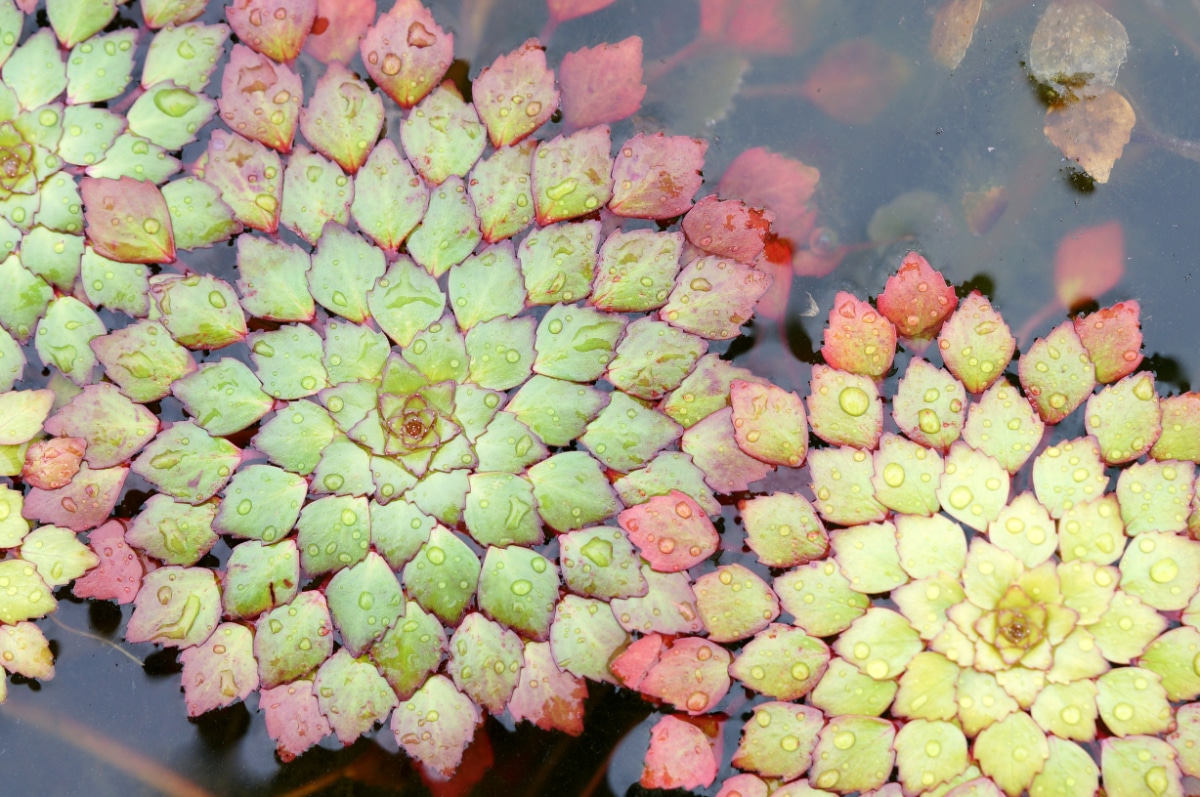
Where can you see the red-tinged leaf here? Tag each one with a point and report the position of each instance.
(406, 52)
(692, 675)
(759, 27)
(602, 84)
(681, 756)
(637, 659)
(818, 262)
(1056, 374)
(294, 718)
(260, 99)
(572, 175)
(714, 297)
(177, 607)
(337, 29)
(769, 423)
(50, 464)
(436, 724)
(745, 785)
(1089, 262)
(119, 574)
(546, 696)
(343, 118)
(976, 344)
(220, 672)
(127, 220)
(655, 177)
(856, 80)
(858, 339)
(734, 603)
(562, 10)
(783, 185)
(249, 177)
(728, 228)
(114, 427)
(83, 504)
(714, 449)
(275, 28)
(1113, 339)
(515, 95)
(917, 299)
(672, 532)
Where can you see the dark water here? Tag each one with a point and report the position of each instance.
(944, 133)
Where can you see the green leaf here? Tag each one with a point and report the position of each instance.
(353, 351)
(343, 117)
(29, 597)
(734, 603)
(781, 662)
(389, 197)
(929, 754)
(1003, 425)
(572, 491)
(410, 650)
(333, 533)
(87, 134)
(249, 177)
(353, 695)
(58, 556)
(53, 256)
(11, 22)
(63, 338)
(315, 191)
(1092, 531)
(25, 651)
(906, 476)
(136, 157)
(600, 563)
(572, 175)
(365, 601)
(1156, 496)
(880, 643)
(1139, 766)
(260, 577)
(841, 482)
(1162, 569)
(113, 426)
(449, 231)
(143, 359)
(627, 434)
(778, 741)
(559, 262)
(273, 279)
(974, 487)
(929, 545)
(115, 285)
(516, 94)
(929, 406)
(405, 301)
(508, 446)
(448, 736)
(61, 208)
(519, 588)
(925, 603)
(576, 343)
(128, 220)
(443, 575)
(175, 533)
(501, 510)
(1125, 418)
(76, 20)
(705, 390)
(261, 503)
(1024, 529)
(188, 463)
(288, 361)
(585, 637)
(442, 495)
(1057, 374)
(293, 639)
(1185, 736)
(200, 311)
(443, 136)
(344, 469)
(177, 607)
(1067, 710)
(869, 557)
(713, 448)
(22, 413)
(100, 69)
(976, 344)
(1132, 700)
(170, 116)
(224, 397)
(295, 437)
(1068, 473)
(668, 607)
(185, 55)
(653, 358)
(844, 409)
(344, 268)
(844, 690)
(36, 71)
(855, 753)
(501, 192)
(486, 286)
(199, 217)
(12, 361)
(439, 352)
(556, 410)
(714, 297)
(485, 661)
(921, 696)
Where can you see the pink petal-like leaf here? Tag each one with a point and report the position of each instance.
(759, 27)
(714, 449)
(1089, 262)
(714, 297)
(515, 95)
(602, 84)
(637, 659)
(119, 574)
(562, 10)
(127, 220)
(220, 672)
(52, 463)
(260, 99)
(655, 177)
(858, 339)
(406, 52)
(728, 228)
(681, 756)
(294, 719)
(856, 80)
(692, 675)
(783, 185)
(177, 607)
(917, 299)
(1113, 339)
(769, 423)
(672, 532)
(83, 504)
(546, 696)
(275, 28)
(338, 28)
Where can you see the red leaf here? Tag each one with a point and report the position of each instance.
(692, 675)
(562, 10)
(337, 29)
(275, 28)
(783, 185)
(83, 504)
(858, 339)
(602, 84)
(1089, 262)
(760, 27)
(1113, 339)
(407, 53)
(854, 82)
(515, 95)
(260, 99)
(917, 299)
(728, 228)
(655, 177)
(294, 719)
(672, 531)
(52, 463)
(119, 574)
(680, 756)
(637, 659)
(127, 220)
(546, 696)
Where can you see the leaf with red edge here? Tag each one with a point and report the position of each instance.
(681, 755)
(546, 696)
(249, 177)
(177, 607)
(127, 220)
(436, 724)
(602, 84)
(52, 463)
(1113, 339)
(728, 228)
(1089, 262)
(337, 29)
(113, 426)
(83, 504)
(917, 299)
(759, 27)
(783, 185)
(275, 28)
(353, 695)
(343, 117)
(692, 674)
(714, 450)
(858, 339)
(1056, 374)
(294, 719)
(976, 344)
(260, 99)
(119, 573)
(713, 297)
(572, 175)
(562, 10)
(735, 603)
(655, 177)
(929, 406)
(515, 95)
(672, 531)
(220, 672)
(769, 423)
(856, 80)
(406, 52)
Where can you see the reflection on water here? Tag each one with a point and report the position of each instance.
(915, 140)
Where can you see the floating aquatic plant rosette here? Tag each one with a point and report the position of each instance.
(451, 437)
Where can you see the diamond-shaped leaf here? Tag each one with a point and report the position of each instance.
(260, 99)
(249, 177)
(515, 95)
(443, 136)
(293, 639)
(485, 661)
(976, 344)
(572, 175)
(188, 463)
(713, 297)
(276, 28)
(407, 53)
(734, 603)
(501, 190)
(185, 54)
(450, 230)
(389, 197)
(220, 672)
(655, 177)
(364, 601)
(173, 532)
(442, 577)
(128, 220)
(436, 741)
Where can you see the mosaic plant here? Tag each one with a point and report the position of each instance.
(453, 439)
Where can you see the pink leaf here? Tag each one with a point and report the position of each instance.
(1113, 339)
(602, 84)
(546, 696)
(220, 672)
(672, 531)
(728, 228)
(83, 504)
(119, 574)
(52, 463)
(1089, 262)
(407, 53)
(240, 169)
(917, 299)
(338, 28)
(275, 28)
(776, 262)
(260, 99)
(515, 95)
(655, 177)
(744, 785)
(127, 220)
(294, 720)
(783, 185)
(637, 659)
(856, 80)
(692, 675)
(760, 27)
(562, 10)
(858, 339)
(681, 756)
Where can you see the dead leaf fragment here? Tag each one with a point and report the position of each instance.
(1092, 132)
(1076, 43)
(953, 27)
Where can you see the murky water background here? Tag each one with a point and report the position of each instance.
(943, 133)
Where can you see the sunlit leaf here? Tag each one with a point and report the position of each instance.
(547, 696)
(713, 297)
(173, 532)
(100, 69)
(177, 607)
(436, 741)
(185, 55)
(976, 344)
(779, 739)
